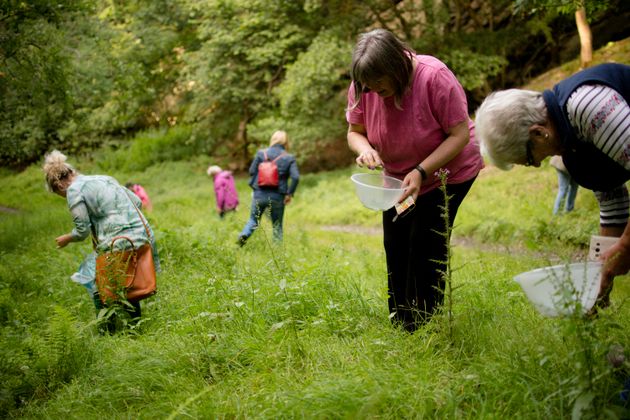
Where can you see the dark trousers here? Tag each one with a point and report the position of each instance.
(260, 202)
(416, 252)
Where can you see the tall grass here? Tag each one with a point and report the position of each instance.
(301, 329)
(514, 208)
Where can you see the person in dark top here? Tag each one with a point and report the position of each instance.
(274, 198)
(586, 120)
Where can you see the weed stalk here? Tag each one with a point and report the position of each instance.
(447, 272)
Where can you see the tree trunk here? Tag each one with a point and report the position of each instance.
(241, 138)
(586, 38)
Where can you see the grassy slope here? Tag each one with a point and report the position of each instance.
(302, 331)
(616, 52)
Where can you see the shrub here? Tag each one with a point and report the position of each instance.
(150, 147)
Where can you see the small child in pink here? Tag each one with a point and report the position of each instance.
(142, 195)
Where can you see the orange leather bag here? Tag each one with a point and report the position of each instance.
(126, 274)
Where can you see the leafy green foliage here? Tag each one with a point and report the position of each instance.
(309, 95)
(79, 74)
(150, 147)
(33, 77)
(561, 6)
(74, 73)
(127, 61)
(237, 66)
(472, 69)
(546, 17)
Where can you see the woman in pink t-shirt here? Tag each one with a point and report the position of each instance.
(408, 114)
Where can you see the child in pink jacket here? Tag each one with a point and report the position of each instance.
(224, 189)
(142, 195)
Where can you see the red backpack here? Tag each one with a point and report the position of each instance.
(268, 171)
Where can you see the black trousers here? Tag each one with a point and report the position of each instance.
(416, 252)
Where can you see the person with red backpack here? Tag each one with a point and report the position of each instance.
(224, 190)
(270, 172)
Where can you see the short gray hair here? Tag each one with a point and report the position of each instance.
(502, 124)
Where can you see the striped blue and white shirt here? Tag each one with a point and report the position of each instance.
(600, 115)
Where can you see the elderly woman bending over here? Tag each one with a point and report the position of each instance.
(585, 119)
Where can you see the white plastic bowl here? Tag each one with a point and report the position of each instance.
(561, 289)
(377, 191)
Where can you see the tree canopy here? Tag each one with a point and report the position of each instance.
(81, 74)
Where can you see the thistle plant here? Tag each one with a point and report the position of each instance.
(447, 273)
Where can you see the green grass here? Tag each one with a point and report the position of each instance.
(301, 330)
(515, 208)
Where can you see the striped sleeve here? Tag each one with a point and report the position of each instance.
(600, 115)
(613, 206)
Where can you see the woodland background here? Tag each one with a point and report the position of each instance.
(216, 77)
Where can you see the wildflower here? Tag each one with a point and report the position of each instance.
(442, 173)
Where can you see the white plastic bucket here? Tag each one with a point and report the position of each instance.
(560, 289)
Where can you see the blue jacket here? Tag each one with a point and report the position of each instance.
(589, 166)
(287, 169)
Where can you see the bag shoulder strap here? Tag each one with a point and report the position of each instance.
(95, 242)
(279, 156)
(139, 214)
(117, 238)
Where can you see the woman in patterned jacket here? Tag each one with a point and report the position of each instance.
(102, 207)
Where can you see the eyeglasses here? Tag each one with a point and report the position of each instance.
(528, 153)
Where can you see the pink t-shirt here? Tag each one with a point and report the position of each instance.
(404, 138)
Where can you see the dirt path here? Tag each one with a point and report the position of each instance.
(4, 209)
(464, 242)
(365, 230)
